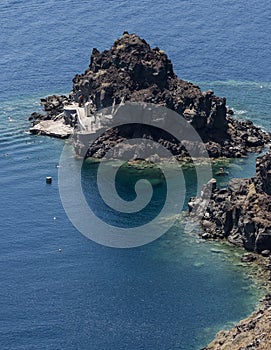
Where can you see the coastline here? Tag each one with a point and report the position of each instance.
(239, 216)
(254, 331)
(61, 290)
(98, 88)
(248, 330)
(245, 331)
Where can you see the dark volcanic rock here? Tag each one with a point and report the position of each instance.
(262, 179)
(53, 106)
(242, 213)
(132, 71)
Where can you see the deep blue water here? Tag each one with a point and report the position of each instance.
(174, 293)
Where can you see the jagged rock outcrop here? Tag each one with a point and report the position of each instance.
(53, 123)
(242, 212)
(53, 106)
(132, 71)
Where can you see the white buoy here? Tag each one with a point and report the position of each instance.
(48, 179)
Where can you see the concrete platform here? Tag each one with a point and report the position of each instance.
(52, 128)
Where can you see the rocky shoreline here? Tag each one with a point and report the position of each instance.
(133, 71)
(253, 332)
(241, 214)
(249, 334)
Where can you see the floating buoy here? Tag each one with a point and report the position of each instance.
(48, 179)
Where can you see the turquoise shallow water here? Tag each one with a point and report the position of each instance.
(174, 293)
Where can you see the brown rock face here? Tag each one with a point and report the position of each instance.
(262, 179)
(132, 71)
(242, 213)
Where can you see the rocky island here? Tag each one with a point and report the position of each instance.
(241, 213)
(133, 71)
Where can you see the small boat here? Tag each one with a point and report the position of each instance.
(48, 179)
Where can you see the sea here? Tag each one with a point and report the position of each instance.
(58, 289)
